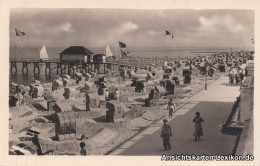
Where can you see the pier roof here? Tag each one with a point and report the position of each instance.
(76, 50)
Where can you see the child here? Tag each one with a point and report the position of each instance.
(171, 107)
(82, 149)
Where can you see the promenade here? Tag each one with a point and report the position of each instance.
(214, 104)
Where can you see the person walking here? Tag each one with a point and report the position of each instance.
(166, 134)
(171, 107)
(197, 127)
(236, 78)
(241, 75)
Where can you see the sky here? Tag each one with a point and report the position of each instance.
(134, 27)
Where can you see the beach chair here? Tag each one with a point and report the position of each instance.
(177, 82)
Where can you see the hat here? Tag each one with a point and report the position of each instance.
(165, 120)
(197, 113)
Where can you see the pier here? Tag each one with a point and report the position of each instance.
(61, 66)
(95, 66)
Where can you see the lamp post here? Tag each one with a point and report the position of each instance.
(205, 77)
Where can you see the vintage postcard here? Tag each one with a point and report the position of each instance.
(156, 83)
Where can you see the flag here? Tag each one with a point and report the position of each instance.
(122, 45)
(123, 53)
(19, 33)
(167, 33)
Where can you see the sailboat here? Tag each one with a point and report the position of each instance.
(43, 54)
(108, 52)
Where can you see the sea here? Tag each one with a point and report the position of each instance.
(152, 52)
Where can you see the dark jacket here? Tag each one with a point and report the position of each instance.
(166, 130)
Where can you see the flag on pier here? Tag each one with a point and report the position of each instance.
(123, 51)
(122, 45)
(19, 33)
(167, 33)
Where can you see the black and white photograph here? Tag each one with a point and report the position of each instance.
(174, 84)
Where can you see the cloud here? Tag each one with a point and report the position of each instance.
(218, 23)
(162, 13)
(152, 33)
(121, 32)
(99, 27)
(64, 27)
(127, 27)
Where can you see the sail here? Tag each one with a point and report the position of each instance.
(43, 53)
(108, 52)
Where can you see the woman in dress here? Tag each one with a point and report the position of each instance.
(197, 127)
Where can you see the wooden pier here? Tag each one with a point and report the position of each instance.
(71, 66)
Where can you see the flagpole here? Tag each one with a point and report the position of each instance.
(15, 47)
(15, 44)
(119, 71)
(172, 44)
(164, 45)
(120, 54)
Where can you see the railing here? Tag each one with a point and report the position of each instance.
(33, 60)
(140, 62)
(231, 130)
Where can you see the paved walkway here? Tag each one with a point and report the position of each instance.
(214, 104)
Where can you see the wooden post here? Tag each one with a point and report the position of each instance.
(98, 67)
(58, 67)
(48, 66)
(83, 66)
(73, 69)
(69, 68)
(61, 69)
(13, 65)
(88, 67)
(25, 67)
(36, 66)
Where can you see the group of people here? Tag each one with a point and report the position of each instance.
(234, 76)
(115, 97)
(166, 132)
(237, 76)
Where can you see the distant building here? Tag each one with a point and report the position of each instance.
(76, 53)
